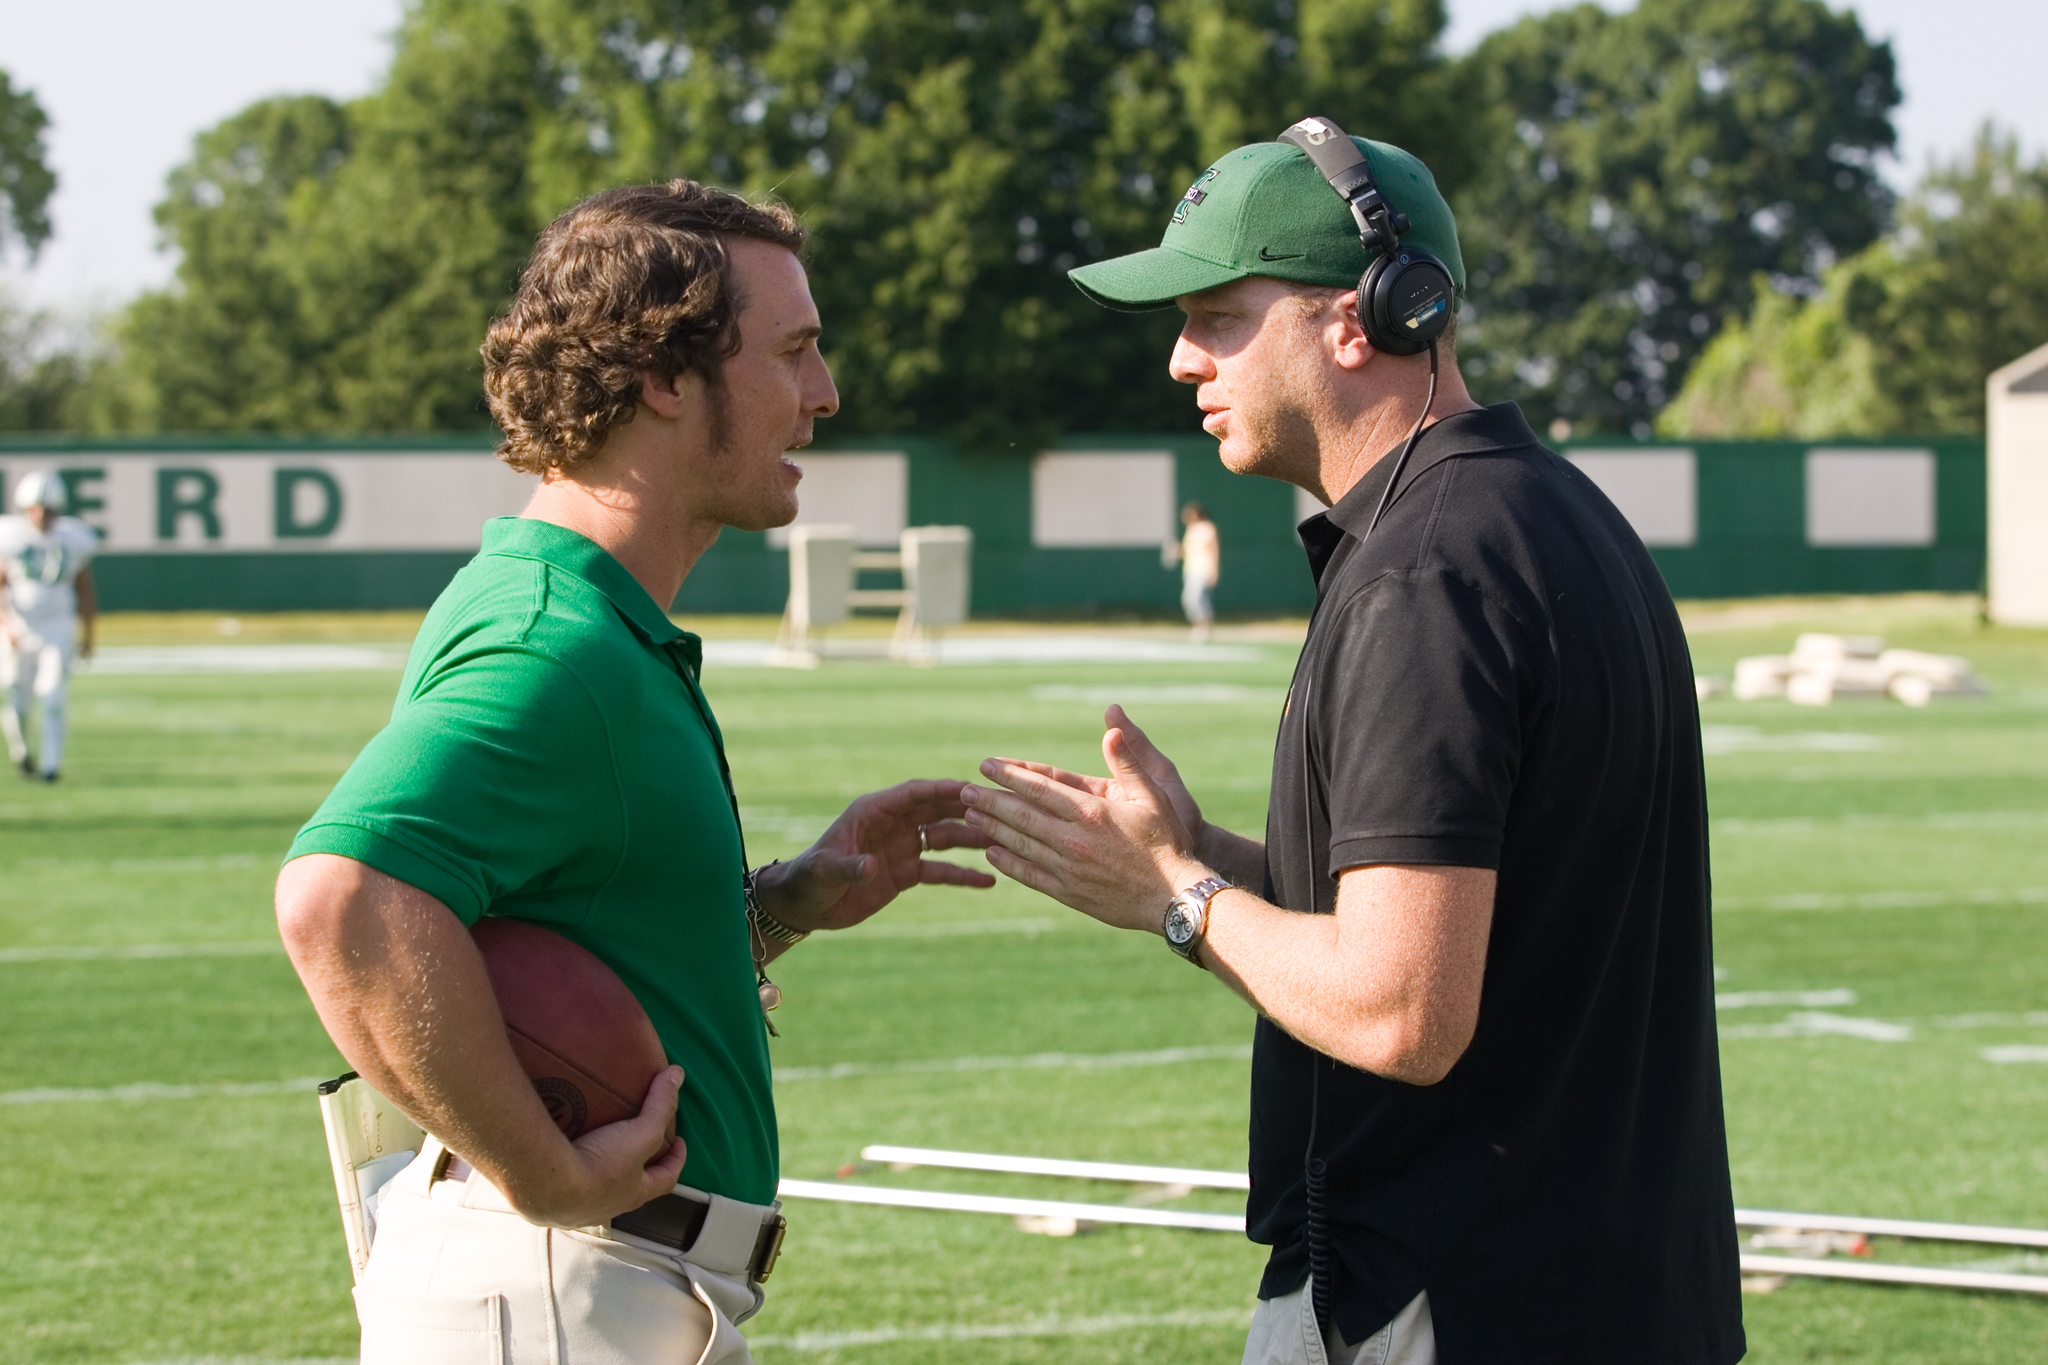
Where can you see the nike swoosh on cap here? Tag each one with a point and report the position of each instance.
(1267, 255)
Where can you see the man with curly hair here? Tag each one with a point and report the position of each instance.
(552, 758)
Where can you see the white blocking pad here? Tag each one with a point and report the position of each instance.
(1869, 497)
(1095, 499)
(1657, 490)
(869, 491)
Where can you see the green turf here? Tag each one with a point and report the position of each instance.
(1910, 868)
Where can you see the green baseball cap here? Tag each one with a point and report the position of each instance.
(1266, 210)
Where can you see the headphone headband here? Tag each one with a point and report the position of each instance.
(1350, 174)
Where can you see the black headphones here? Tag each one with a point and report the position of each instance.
(1404, 298)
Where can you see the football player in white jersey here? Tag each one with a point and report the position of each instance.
(50, 606)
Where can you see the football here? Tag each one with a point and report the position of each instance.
(581, 1037)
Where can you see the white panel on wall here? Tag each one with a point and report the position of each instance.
(211, 501)
(869, 491)
(1103, 498)
(1869, 497)
(1657, 490)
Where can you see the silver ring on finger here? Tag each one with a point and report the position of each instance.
(924, 840)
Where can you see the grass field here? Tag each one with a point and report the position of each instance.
(164, 1193)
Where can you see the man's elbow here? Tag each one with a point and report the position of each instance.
(308, 919)
(1413, 1051)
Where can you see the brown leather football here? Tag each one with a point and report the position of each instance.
(582, 1038)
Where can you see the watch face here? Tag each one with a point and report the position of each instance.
(1179, 928)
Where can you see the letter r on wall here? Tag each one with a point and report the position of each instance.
(186, 493)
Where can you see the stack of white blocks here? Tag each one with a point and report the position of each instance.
(1821, 668)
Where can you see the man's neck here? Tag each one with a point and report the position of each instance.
(1379, 431)
(653, 536)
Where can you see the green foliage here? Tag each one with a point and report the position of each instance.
(1643, 169)
(1904, 334)
(40, 377)
(339, 264)
(26, 180)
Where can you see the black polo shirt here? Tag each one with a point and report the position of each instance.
(1498, 679)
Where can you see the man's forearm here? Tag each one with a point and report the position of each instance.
(1241, 861)
(402, 990)
(1389, 984)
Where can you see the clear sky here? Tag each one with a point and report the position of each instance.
(127, 83)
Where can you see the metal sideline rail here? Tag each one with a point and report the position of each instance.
(1187, 1178)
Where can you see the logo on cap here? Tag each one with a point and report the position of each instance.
(1195, 195)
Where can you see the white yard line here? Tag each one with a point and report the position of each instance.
(944, 1202)
(1888, 900)
(101, 953)
(153, 1090)
(1050, 1326)
(1036, 1061)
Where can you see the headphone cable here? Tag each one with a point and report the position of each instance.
(1409, 449)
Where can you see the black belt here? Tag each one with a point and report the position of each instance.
(674, 1220)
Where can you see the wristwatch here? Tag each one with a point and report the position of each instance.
(1187, 916)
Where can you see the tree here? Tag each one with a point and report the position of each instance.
(1905, 333)
(26, 180)
(40, 375)
(1645, 168)
(952, 163)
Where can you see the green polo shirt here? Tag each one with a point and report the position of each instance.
(551, 758)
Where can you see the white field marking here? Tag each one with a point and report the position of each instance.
(1805, 824)
(1747, 739)
(1036, 1061)
(92, 953)
(2016, 1263)
(1007, 649)
(2017, 1052)
(216, 863)
(999, 1331)
(130, 659)
(1815, 1024)
(969, 927)
(1038, 1165)
(1169, 695)
(253, 1360)
(1935, 1276)
(154, 1090)
(944, 1202)
(1889, 900)
(1742, 1000)
(2031, 1019)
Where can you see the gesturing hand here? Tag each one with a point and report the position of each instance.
(872, 853)
(1116, 848)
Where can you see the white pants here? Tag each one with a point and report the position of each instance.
(35, 669)
(1284, 1333)
(457, 1278)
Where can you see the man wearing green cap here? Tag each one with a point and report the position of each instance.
(1486, 1109)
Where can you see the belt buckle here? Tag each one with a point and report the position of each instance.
(768, 1250)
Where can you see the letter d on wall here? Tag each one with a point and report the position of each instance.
(289, 525)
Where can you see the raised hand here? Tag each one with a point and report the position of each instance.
(871, 854)
(1115, 848)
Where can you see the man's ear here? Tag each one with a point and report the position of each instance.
(669, 397)
(1352, 348)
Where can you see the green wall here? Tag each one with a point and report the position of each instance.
(1751, 541)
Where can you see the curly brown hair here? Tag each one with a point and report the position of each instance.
(633, 280)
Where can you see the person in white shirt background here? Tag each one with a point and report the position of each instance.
(49, 608)
(1201, 561)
